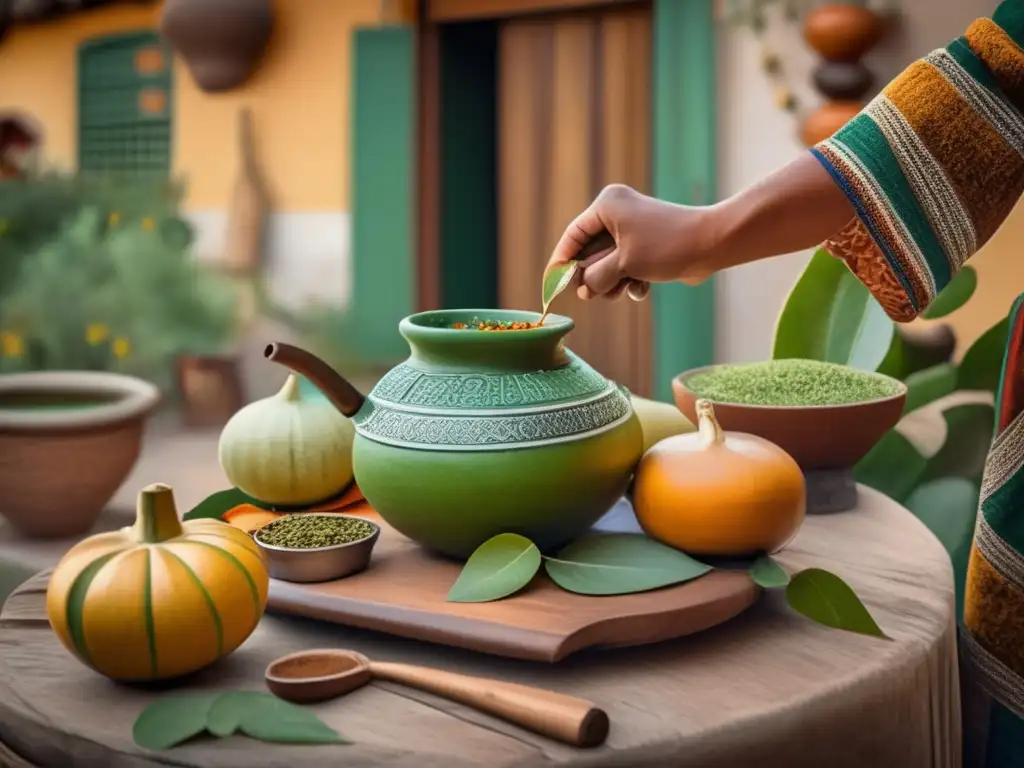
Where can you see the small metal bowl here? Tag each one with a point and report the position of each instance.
(323, 563)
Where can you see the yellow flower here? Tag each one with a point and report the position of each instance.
(11, 344)
(121, 348)
(148, 224)
(96, 333)
(114, 218)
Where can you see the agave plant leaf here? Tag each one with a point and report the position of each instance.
(929, 385)
(983, 361)
(830, 316)
(954, 295)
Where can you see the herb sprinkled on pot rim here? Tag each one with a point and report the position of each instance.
(310, 532)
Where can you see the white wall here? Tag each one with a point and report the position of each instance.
(755, 137)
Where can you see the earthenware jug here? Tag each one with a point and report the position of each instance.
(485, 432)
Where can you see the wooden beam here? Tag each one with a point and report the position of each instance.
(465, 10)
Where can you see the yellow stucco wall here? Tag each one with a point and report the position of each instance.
(299, 98)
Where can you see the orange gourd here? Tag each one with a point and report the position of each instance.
(716, 493)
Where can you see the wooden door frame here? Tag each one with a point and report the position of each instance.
(683, 157)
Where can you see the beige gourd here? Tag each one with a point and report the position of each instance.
(288, 449)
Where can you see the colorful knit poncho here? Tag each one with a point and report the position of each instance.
(932, 167)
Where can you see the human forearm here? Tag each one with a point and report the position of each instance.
(794, 208)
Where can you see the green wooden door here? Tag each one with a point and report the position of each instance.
(124, 105)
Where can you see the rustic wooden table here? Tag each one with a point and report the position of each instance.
(766, 689)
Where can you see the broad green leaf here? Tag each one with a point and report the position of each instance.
(619, 564)
(555, 281)
(501, 566)
(982, 363)
(949, 506)
(970, 429)
(226, 713)
(768, 574)
(918, 349)
(172, 720)
(894, 466)
(954, 295)
(827, 599)
(220, 502)
(268, 718)
(929, 385)
(830, 316)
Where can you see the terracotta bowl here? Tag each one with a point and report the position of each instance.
(818, 437)
(68, 440)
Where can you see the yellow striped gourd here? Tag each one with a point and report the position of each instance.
(159, 599)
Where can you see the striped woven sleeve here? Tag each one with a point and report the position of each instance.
(933, 165)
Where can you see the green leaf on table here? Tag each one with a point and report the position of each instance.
(830, 316)
(215, 505)
(827, 599)
(954, 295)
(949, 508)
(499, 567)
(929, 385)
(619, 564)
(768, 574)
(172, 720)
(556, 281)
(268, 718)
(226, 713)
(894, 466)
(982, 363)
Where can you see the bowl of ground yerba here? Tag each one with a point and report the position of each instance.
(826, 416)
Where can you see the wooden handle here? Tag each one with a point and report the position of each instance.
(556, 715)
(637, 290)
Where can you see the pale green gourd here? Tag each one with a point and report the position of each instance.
(288, 449)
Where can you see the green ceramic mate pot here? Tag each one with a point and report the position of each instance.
(485, 432)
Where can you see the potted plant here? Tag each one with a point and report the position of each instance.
(91, 326)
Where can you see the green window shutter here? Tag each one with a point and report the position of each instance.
(685, 172)
(124, 105)
(383, 188)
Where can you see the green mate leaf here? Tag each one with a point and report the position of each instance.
(268, 718)
(983, 361)
(913, 351)
(220, 502)
(619, 564)
(827, 599)
(226, 713)
(172, 720)
(954, 295)
(499, 567)
(556, 281)
(830, 316)
(768, 574)
(948, 507)
(929, 385)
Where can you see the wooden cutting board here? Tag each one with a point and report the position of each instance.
(403, 593)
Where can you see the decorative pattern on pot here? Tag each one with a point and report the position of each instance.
(485, 432)
(445, 412)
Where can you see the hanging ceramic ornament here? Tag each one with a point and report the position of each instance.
(221, 40)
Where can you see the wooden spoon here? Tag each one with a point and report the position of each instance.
(310, 676)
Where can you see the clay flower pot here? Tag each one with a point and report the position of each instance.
(68, 440)
(220, 40)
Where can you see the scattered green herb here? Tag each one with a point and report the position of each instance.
(620, 563)
(495, 325)
(791, 382)
(176, 719)
(827, 599)
(768, 574)
(311, 531)
(501, 566)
